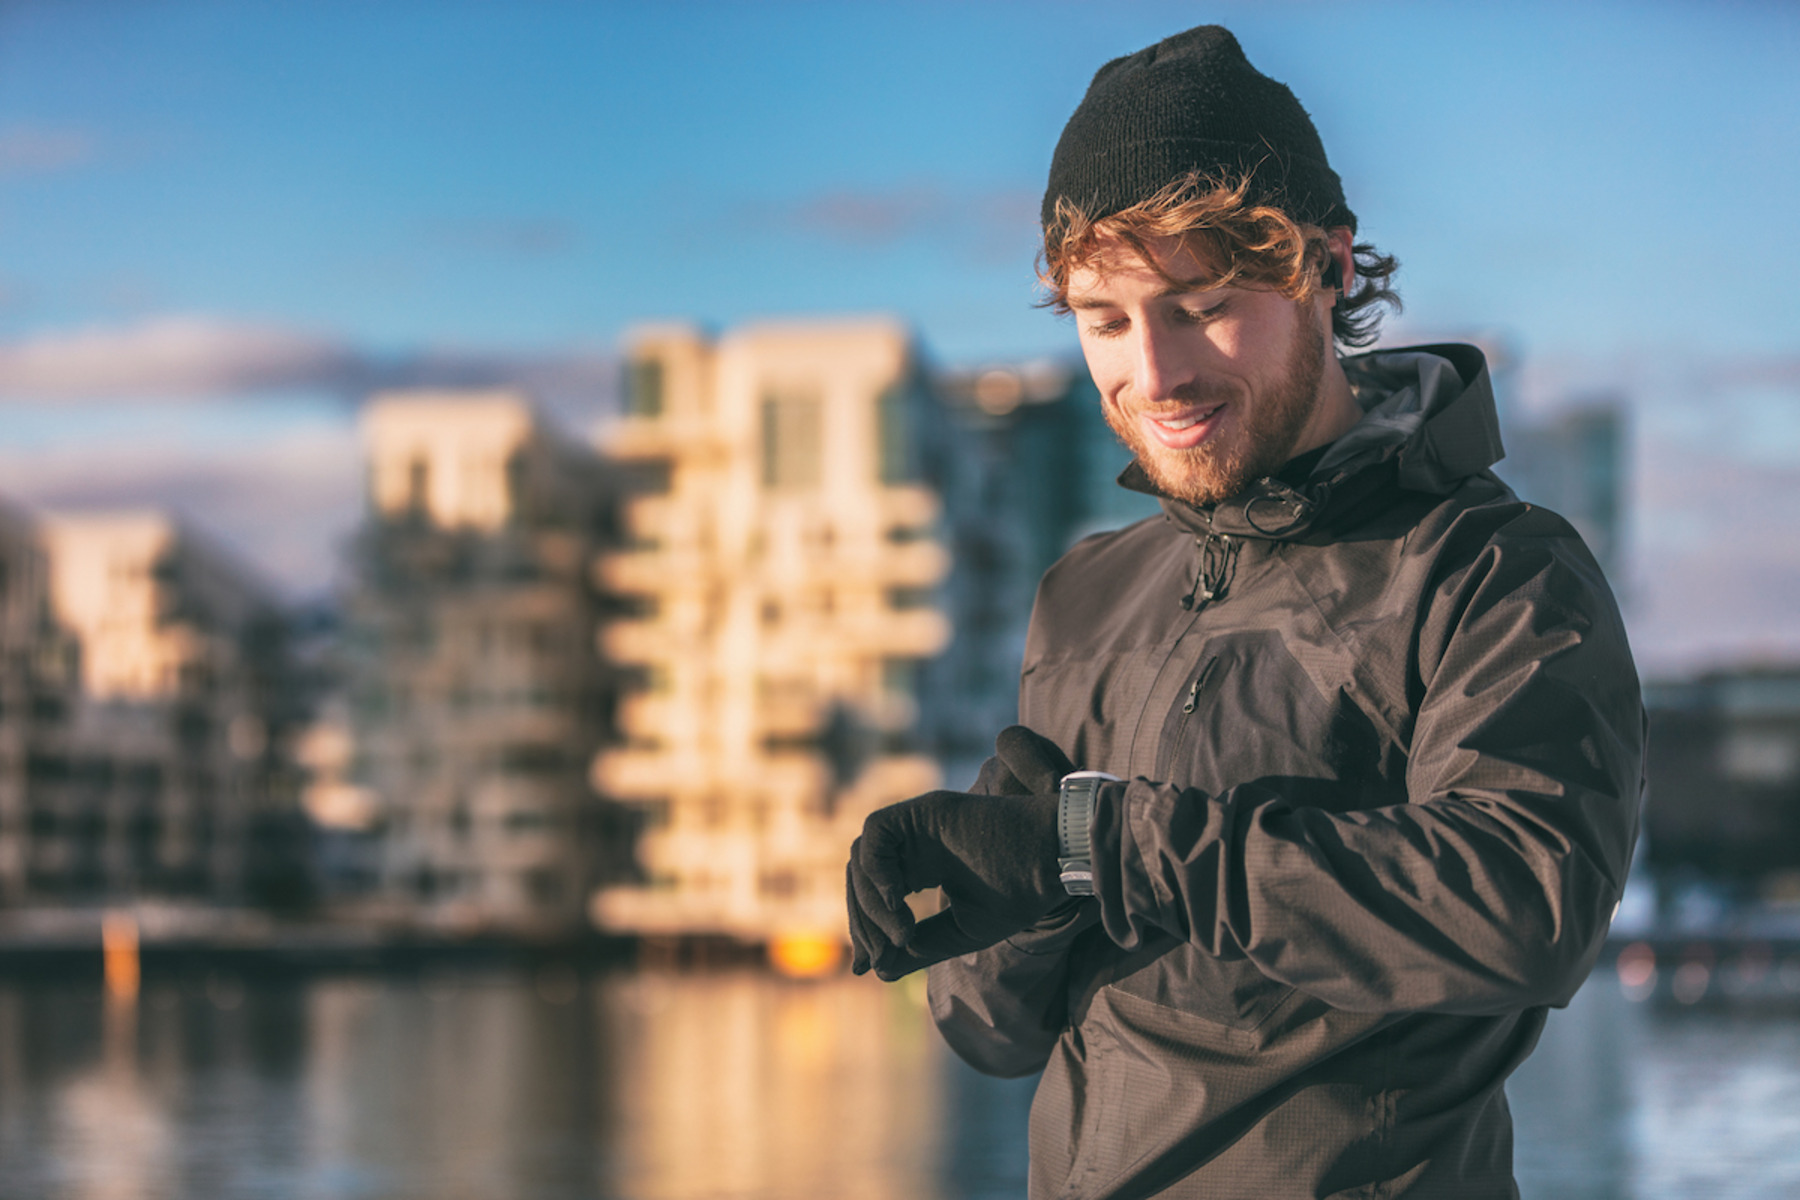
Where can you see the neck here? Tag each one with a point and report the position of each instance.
(1335, 412)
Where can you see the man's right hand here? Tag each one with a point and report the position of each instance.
(994, 856)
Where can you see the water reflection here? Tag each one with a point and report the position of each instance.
(740, 1085)
(725, 1086)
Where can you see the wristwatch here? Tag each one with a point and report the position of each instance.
(1074, 829)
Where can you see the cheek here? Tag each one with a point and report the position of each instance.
(1106, 367)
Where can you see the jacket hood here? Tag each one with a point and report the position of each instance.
(1427, 410)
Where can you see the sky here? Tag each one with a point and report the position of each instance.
(222, 225)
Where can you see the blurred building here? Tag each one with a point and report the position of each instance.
(38, 679)
(1039, 472)
(785, 570)
(169, 777)
(474, 697)
(1573, 462)
(1570, 453)
(1724, 776)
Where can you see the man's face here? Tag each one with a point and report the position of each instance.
(1211, 389)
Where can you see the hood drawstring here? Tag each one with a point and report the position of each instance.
(1218, 563)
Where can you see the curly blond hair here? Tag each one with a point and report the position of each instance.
(1253, 245)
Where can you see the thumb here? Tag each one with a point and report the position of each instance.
(941, 936)
(1035, 760)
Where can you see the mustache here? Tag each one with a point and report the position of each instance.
(1195, 393)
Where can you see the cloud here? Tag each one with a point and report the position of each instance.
(196, 358)
(35, 150)
(285, 505)
(170, 357)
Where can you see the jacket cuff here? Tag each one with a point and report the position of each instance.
(1157, 860)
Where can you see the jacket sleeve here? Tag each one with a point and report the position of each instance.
(1491, 888)
(1002, 1009)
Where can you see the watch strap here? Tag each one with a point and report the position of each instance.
(1075, 829)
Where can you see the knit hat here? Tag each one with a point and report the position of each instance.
(1192, 102)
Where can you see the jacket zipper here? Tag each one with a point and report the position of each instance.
(1203, 684)
(1200, 680)
(1197, 691)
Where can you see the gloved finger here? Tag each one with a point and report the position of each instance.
(877, 894)
(897, 962)
(1035, 760)
(939, 937)
(866, 942)
(994, 779)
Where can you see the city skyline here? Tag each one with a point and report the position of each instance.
(221, 228)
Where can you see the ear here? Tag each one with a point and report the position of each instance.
(1340, 267)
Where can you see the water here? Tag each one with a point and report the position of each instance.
(724, 1086)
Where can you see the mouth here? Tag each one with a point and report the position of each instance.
(1183, 430)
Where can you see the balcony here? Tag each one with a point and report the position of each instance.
(640, 641)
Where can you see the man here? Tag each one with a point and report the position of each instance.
(1368, 727)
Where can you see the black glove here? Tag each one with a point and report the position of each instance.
(1025, 763)
(993, 854)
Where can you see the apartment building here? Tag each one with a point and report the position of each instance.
(784, 573)
(1039, 472)
(1723, 765)
(475, 698)
(168, 776)
(38, 667)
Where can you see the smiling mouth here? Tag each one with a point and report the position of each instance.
(1187, 421)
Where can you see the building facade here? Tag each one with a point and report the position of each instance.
(1574, 461)
(783, 595)
(1039, 472)
(39, 666)
(474, 698)
(169, 777)
(1723, 763)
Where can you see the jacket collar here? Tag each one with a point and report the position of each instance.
(1428, 423)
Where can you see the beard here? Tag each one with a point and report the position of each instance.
(1267, 428)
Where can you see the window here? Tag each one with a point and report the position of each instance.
(526, 821)
(792, 440)
(418, 488)
(900, 676)
(1757, 756)
(896, 455)
(644, 388)
(906, 599)
(515, 485)
(532, 761)
(779, 884)
(646, 477)
(906, 535)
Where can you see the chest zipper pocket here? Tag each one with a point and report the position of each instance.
(1205, 682)
(1200, 682)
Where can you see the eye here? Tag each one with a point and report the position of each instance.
(1106, 329)
(1195, 314)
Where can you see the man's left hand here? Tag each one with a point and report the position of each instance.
(994, 856)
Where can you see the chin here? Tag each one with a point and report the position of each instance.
(1204, 475)
(1198, 486)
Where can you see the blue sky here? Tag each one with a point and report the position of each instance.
(304, 197)
(534, 175)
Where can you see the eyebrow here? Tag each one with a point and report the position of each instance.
(1173, 289)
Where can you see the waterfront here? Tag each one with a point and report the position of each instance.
(728, 1085)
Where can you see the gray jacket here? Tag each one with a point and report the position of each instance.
(1383, 739)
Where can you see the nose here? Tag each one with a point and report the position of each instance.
(1161, 367)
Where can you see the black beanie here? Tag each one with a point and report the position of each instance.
(1192, 102)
